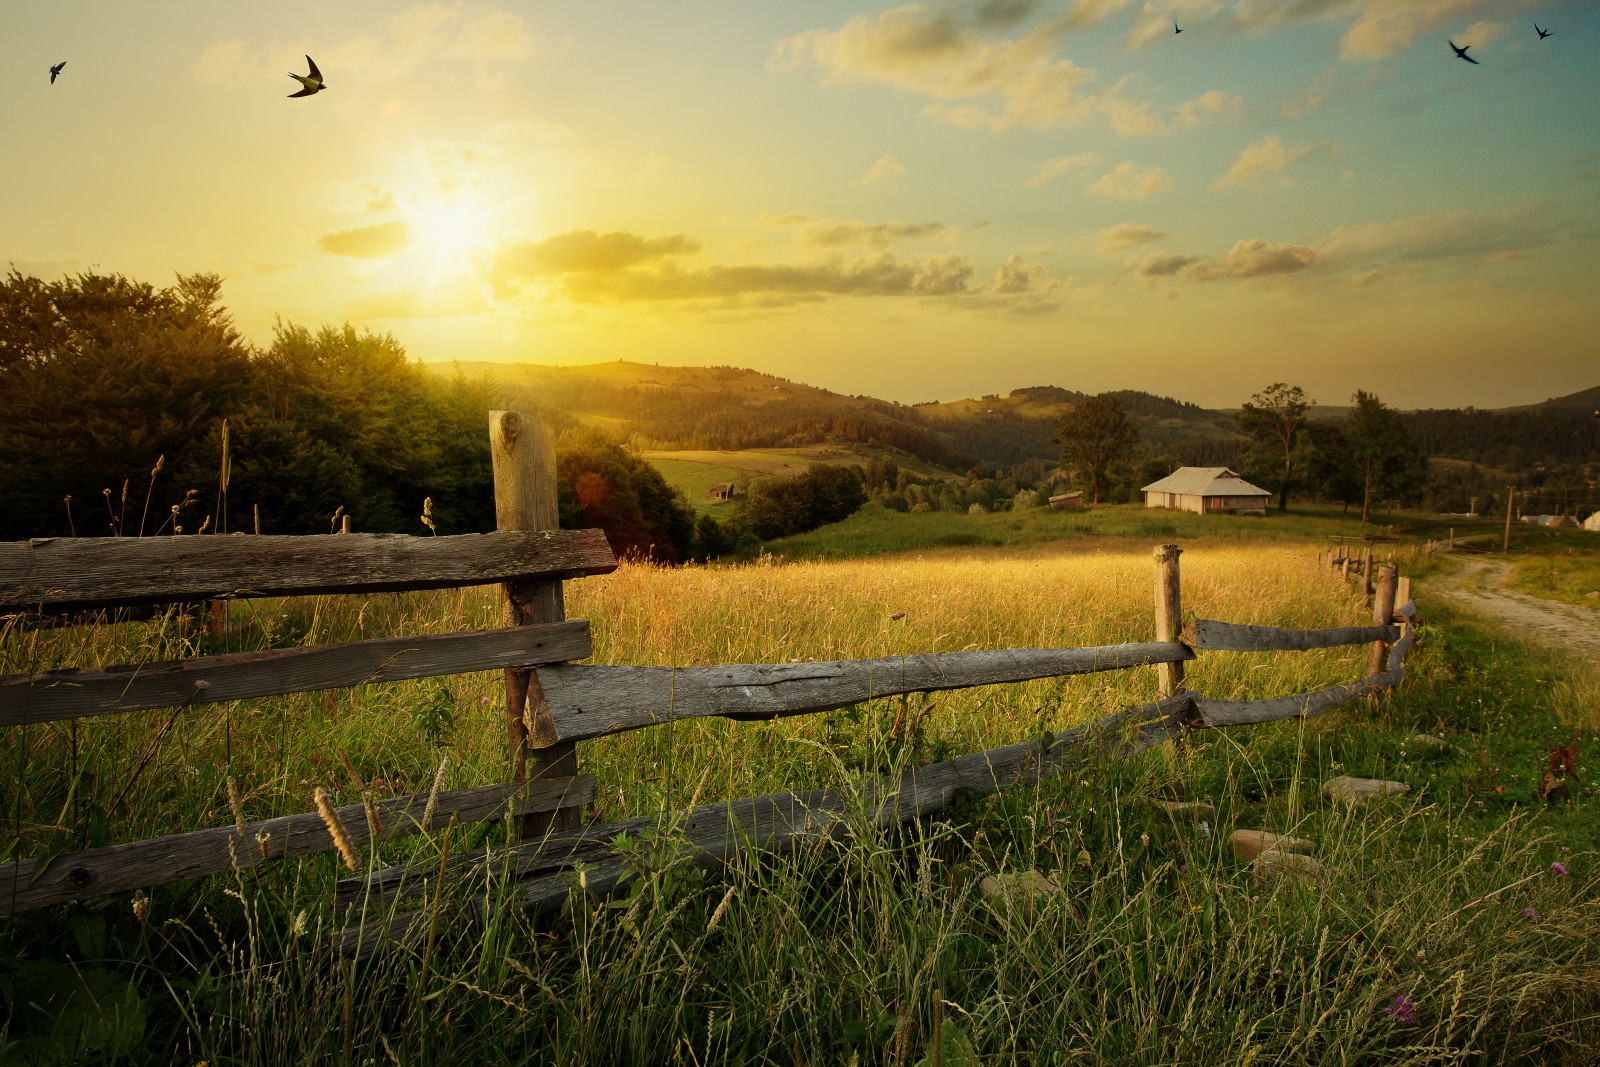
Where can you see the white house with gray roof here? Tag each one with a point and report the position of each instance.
(1207, 490)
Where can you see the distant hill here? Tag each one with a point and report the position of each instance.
(1585, 400)
(729, 408)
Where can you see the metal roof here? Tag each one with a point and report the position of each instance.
(1205, 481)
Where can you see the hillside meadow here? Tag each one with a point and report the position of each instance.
(1461, 924)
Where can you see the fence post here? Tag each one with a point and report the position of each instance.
(1366, 574)
(1169, 614)
(524, 461)
(1382, 614)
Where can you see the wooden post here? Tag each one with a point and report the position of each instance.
(344, 524)
(1169, 614)
(1344, 564)
(524, 461)
(1402, 592)
(1366, 574)
(1382, 614)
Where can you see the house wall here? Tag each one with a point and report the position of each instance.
(1208, 505)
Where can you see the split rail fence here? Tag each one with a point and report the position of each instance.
(552, 703)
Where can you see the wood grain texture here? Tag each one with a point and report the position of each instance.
(1213, 636)
(713, 835)
(79, 693)
(71, 574)
(136, 864)
(1299, 706)
(590, 701)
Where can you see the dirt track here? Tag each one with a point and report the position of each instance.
(1480, 584)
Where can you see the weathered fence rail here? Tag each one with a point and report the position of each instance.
(553, 703)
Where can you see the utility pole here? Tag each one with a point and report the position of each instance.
(1511, 494)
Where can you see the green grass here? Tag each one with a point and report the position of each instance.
(1158, 948)
(1570, 575)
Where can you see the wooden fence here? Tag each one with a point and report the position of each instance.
(553, 703)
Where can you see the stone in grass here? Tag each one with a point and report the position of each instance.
(1190, 809)
(1274, 864)
(1026, 887)
(1360, 790)
(1248, 844)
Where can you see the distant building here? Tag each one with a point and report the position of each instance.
(1550, 520)
(722, 491)
(1592, 522)
(1067, 501)
(1208, 491)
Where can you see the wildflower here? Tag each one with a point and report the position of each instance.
(1183, 868)
(1144, 839)
(1531, 913)
(1084, 859)
(141, 906)
(1558, 868)
(1403, 1008)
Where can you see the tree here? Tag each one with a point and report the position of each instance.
(604, 485)
(1095, 435)
(1272, 417)
(1390, 464)
(780, 507)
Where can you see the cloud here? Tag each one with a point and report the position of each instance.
(846, 233)
(1388, 27)
(886, 169)
(1054, 168)
(418, 302)
(1483, 33)
(974, 80)
(1266, 160)
(1375, 29)
(1251, 258)
(1127, 181)
(367, 242)
(590, 268)
(585, 251)
(1125, 235)
(418, 38)
(1441, 236)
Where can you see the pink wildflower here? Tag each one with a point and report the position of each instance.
(1402, 1008)
(1531, 913)
(1558, 868)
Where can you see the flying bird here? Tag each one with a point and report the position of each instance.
(1461, 52)
(313, 82)
(1542, 33)
(1175, 27)
(56, 70)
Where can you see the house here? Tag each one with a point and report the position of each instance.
(1067, 501)
(1550, 520)
(1592, 522)
(722, 491)
(1207, 490)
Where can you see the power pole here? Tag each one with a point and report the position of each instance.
(1511, 494)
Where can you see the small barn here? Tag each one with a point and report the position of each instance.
(722, 491)
(1067, 501)
(1207, 490)
(1592, 523)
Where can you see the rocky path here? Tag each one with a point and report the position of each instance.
(1480, 584)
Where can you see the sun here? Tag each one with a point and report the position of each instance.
(448, 228)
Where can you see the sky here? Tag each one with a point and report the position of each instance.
(918, 202)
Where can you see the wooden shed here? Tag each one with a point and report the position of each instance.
(1208, 491)
(1067, 501)
(722, 491)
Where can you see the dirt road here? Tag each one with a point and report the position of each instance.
(1480, 585)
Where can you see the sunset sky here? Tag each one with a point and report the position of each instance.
(918, 202)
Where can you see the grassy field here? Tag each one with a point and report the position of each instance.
(1448, 934)
(695, 472)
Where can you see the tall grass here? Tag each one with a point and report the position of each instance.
(1158, 948)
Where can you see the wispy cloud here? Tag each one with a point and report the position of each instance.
(1265, 162)
(886, 171)
(1125, 235)
(367, 242)
(1129, 181)
(1251, 258)
(976, 79)
(846, 233)
(1055, 168)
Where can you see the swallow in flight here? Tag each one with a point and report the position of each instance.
(1542, 33)
(1461, 52)
(56, 70)
(313, 82)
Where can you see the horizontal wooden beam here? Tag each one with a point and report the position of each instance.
(137, 864)
(79, 693)
(1213, 636)
(1299, 706)
(590, 701)
(713, 835)
(63, 574)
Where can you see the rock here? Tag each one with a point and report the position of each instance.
(1026, 886)
(1360, 790)
(1190, 809)
(1429, 741)
(1248, 844)
(1274, 864)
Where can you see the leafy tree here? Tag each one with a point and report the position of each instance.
(779, 507)
(1095, 435)
(604, 485)
(1272, 417)
(1390, 464)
